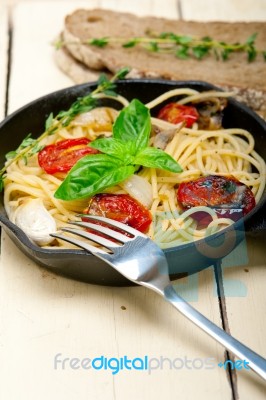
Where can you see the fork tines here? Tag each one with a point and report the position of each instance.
(103, 231)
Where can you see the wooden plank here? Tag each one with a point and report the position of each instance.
(3, 57)
(244, 284)
(42, 315)
(246, 311)
(225, 10)
(45, 315)
(33, 53)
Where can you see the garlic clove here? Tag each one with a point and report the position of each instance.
(36, 222)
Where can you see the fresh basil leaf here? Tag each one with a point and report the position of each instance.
(133, 124)
(90, 175)
(157, 158)
(113, 147)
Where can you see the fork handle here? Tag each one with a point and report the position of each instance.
(255, 361)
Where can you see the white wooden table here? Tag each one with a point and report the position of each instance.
(42, 314)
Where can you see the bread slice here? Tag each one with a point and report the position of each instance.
(83, 63)
(236, 71)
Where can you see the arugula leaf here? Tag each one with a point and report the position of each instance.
(133, 125)
(157, 158)
(91, 174)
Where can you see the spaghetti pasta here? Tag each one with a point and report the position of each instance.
(200, 152)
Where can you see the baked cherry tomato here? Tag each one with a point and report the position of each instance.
(222, 193)
(122, 208)
(175, 113)
(61, 156)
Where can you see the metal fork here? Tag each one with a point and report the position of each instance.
(140, 260)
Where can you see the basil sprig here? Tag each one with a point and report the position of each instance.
(121, 155)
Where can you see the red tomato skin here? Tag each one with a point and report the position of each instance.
(176, 113)
(122, 208)
(63, 155)
(219, 192)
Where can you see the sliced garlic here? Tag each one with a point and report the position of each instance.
(139, 188)
(36, 222)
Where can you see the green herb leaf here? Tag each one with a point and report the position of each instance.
(251, 39)
(35, 149)
(252, 53)
(133, 125)
(153, 46)
(101, 42)
(49, 121)
(28, 141)
(121, 74)
(110, 92)
(225, 53)
(1, 183)
(185, 39)
(90, 175)
(111, 146)
(130, 43)
(207, 39)
(157, 158)
(200, 51)
(11, 155)
(182, 52)
(168, 41)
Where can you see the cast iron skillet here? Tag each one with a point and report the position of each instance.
(185, 259)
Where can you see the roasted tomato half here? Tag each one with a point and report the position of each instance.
(63, 155)
(122, 208)
(176, 113)
(227, 195)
